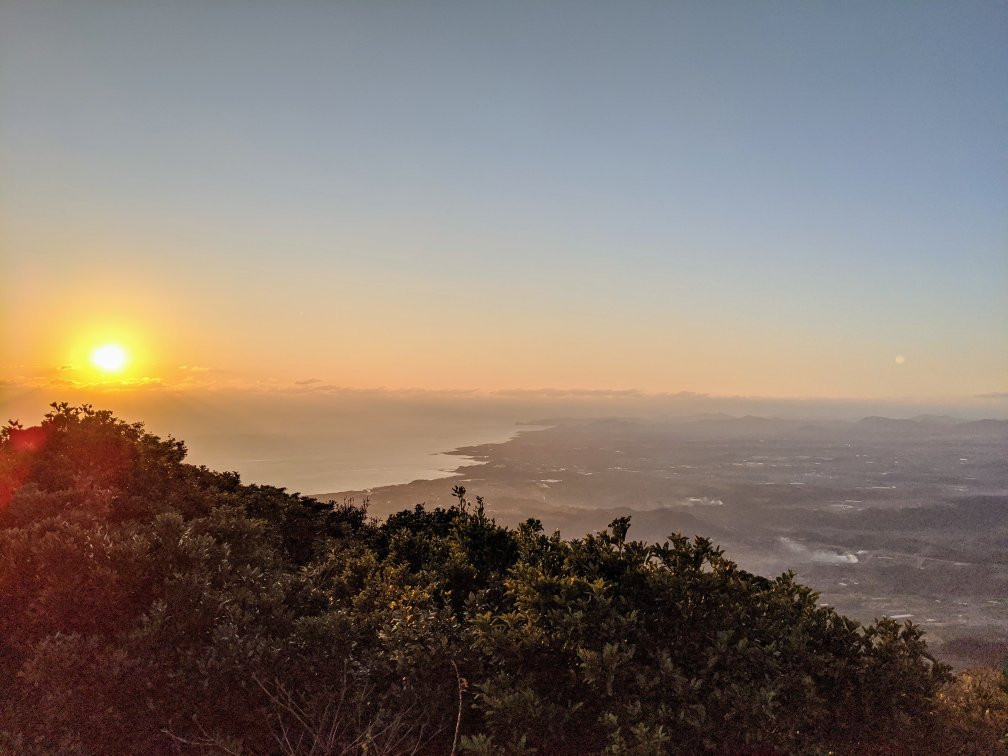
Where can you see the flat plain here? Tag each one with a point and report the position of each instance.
(904, 518)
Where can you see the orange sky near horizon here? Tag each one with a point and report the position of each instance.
(774, 201)
(446, 348)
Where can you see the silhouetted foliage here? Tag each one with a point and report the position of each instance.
(150, 606)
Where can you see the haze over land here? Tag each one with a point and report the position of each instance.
(901, 518)
(314, 439)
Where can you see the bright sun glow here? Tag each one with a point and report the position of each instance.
(109, 358)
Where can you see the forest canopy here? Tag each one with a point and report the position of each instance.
(152, 606)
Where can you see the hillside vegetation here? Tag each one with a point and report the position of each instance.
(151, 606)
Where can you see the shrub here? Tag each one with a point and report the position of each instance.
(147, 605)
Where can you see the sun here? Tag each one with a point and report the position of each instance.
(109, 358)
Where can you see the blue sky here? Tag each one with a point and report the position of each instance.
(776, 199)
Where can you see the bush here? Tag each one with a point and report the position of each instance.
(147, 605)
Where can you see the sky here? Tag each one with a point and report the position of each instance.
(770, 199)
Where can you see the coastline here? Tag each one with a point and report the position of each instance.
(908, 548)
(468, 458)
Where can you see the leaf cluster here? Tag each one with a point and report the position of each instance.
(148, 605)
